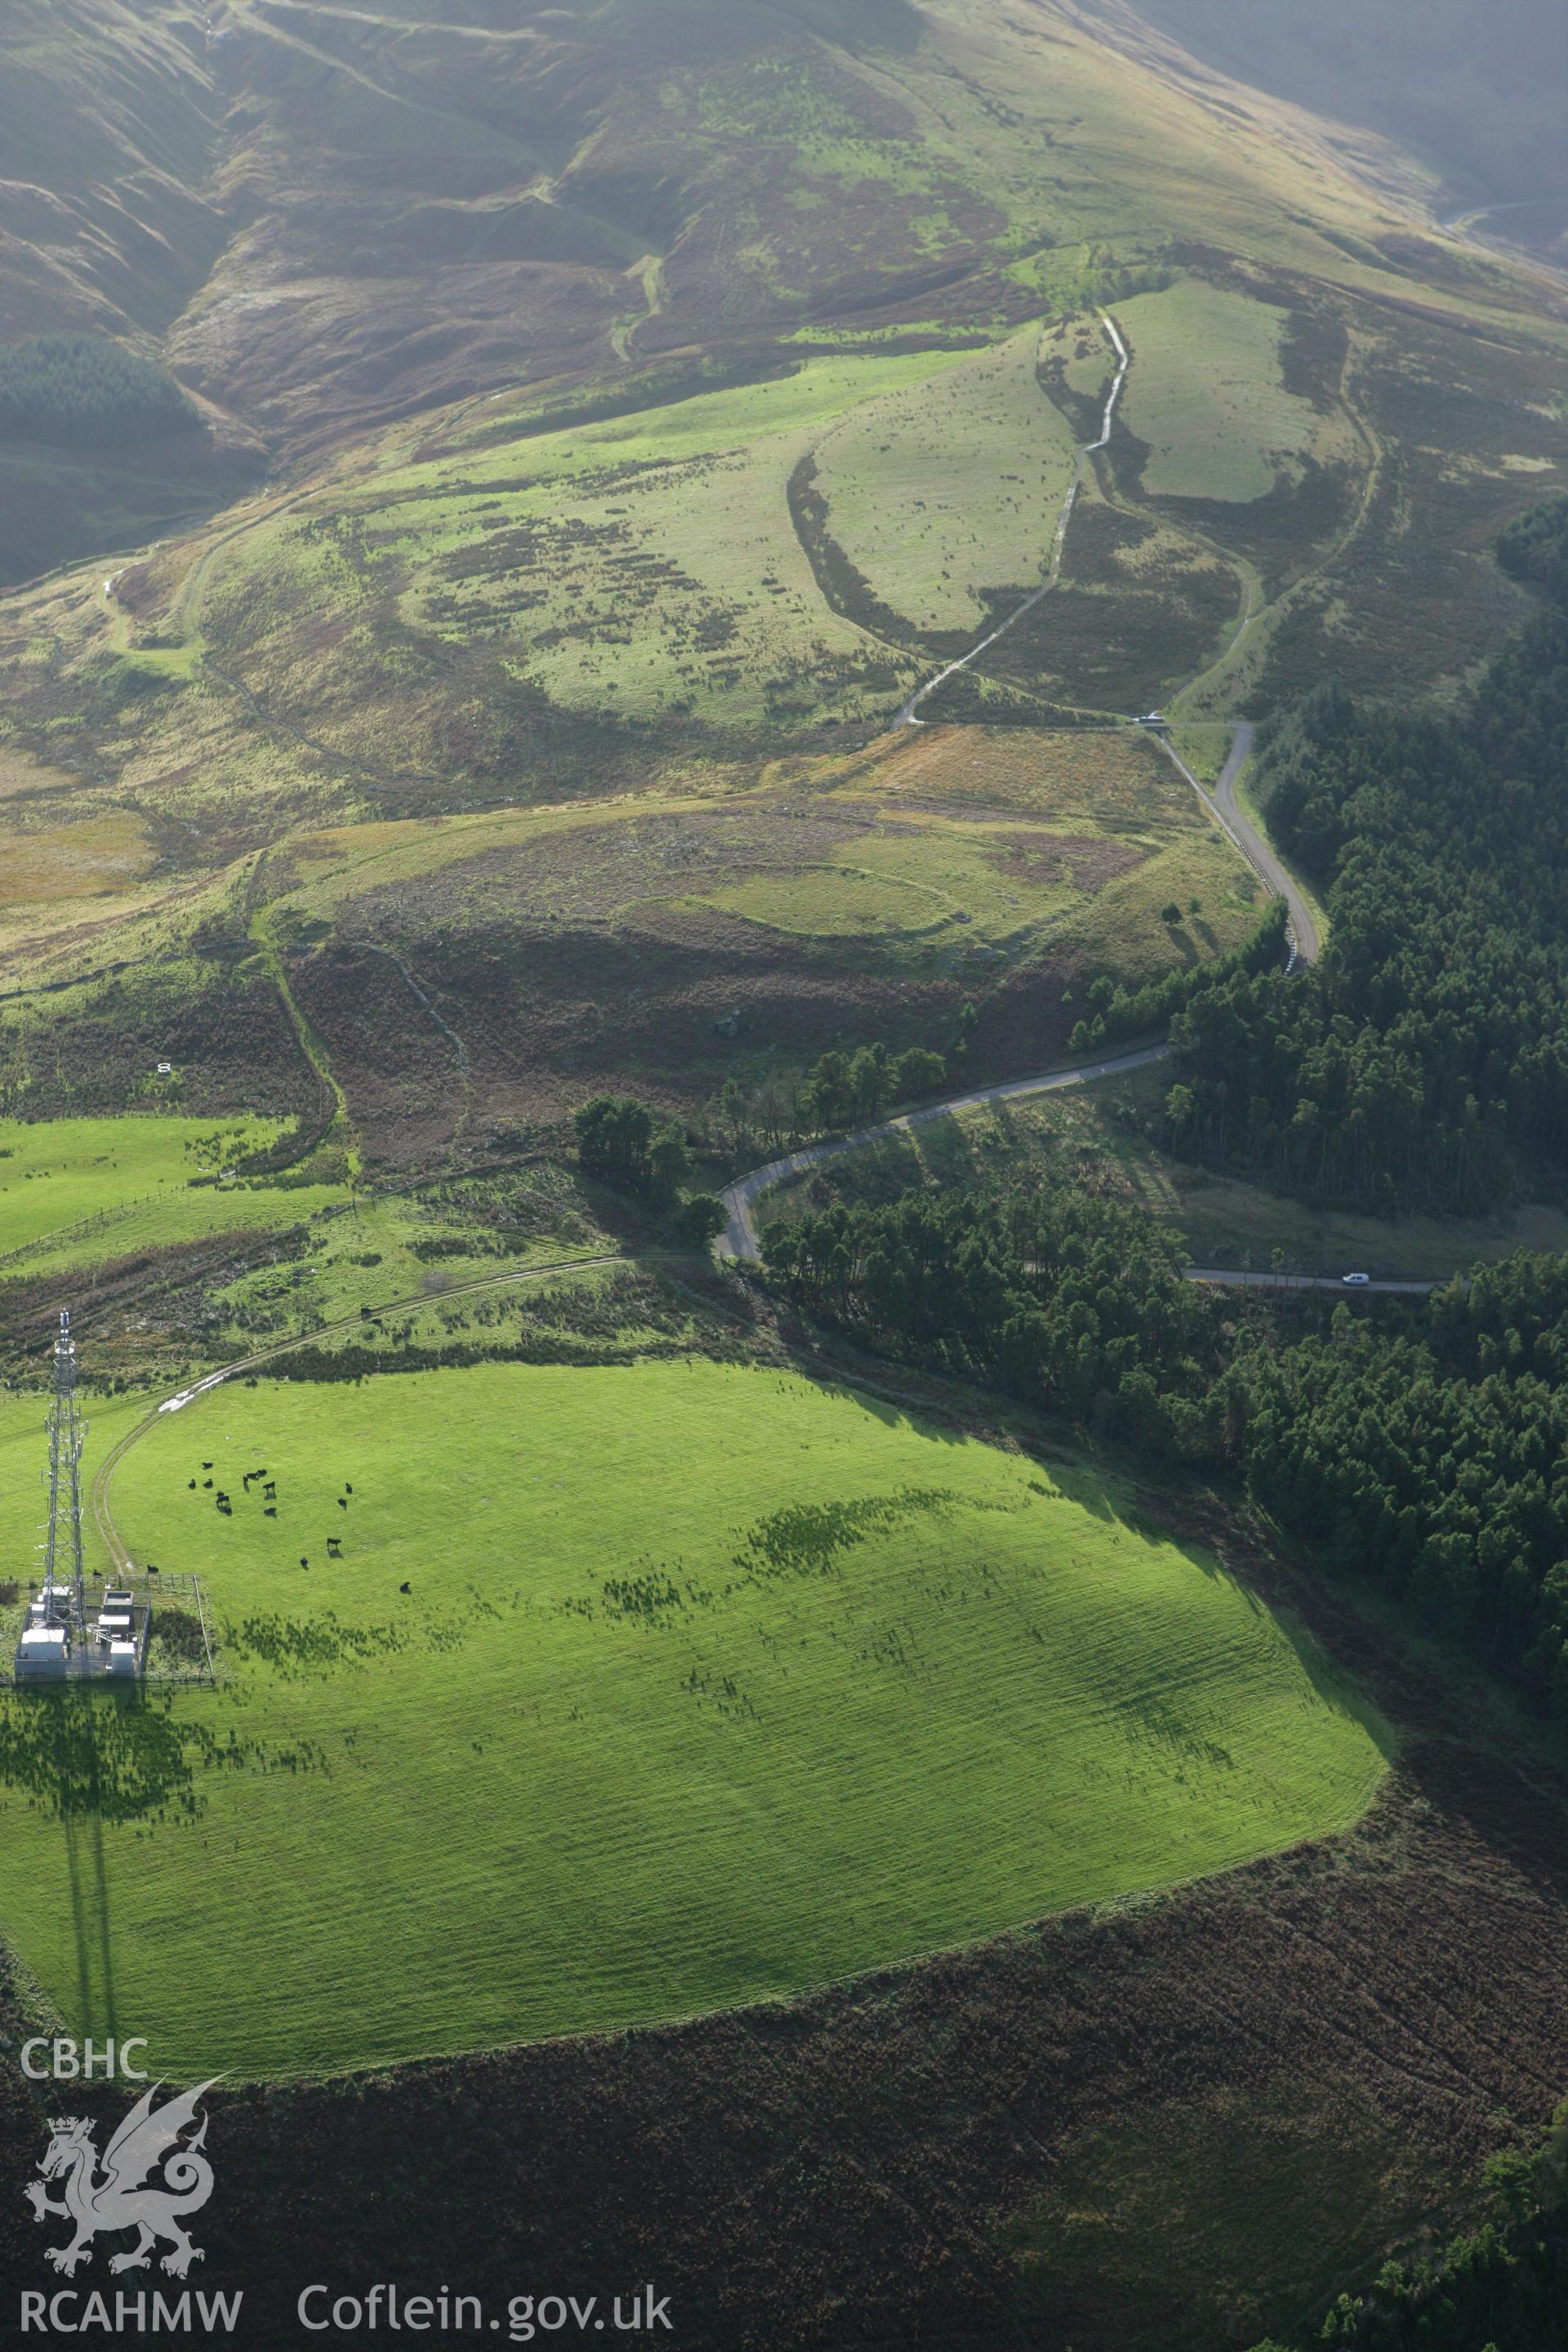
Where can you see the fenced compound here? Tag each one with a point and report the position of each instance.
(144, 1628)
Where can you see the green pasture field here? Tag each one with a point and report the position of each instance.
(951, 486)
(848, 902)
(76, 1192)
(643, 566)
(1089, 1134)
(711, 1683)
(434, 569)
(1206, 391)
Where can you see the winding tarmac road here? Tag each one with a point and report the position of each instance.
(739, 1238)
(740, 1241)
(1228, 1277)
(1221, 804)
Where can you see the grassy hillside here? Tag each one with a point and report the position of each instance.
(671, 940)
(798, 1686)
(1209, 398)
(634, 424)
(419, 241)
(935, 493)
(76, 1192)
(644, 567)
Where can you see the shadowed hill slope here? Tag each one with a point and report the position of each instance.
(109, 128)
(1480, 93)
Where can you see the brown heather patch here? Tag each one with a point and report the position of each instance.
(101, 855)
(1084, 863)
(1102, 776)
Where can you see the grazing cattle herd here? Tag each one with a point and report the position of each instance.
(262, 1477)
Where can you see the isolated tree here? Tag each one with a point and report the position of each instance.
(615, 1137)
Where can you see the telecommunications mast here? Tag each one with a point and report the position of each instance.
(62, 1550)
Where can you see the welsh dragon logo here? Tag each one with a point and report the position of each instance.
(119, 2196)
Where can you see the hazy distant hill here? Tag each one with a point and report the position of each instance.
(428, 237)
(1478, 88)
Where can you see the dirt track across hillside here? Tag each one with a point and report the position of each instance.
(909, 715)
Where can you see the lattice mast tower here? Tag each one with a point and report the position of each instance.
(62, 1545)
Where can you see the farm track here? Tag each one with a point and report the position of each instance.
(909, 715)
(103, 1517)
